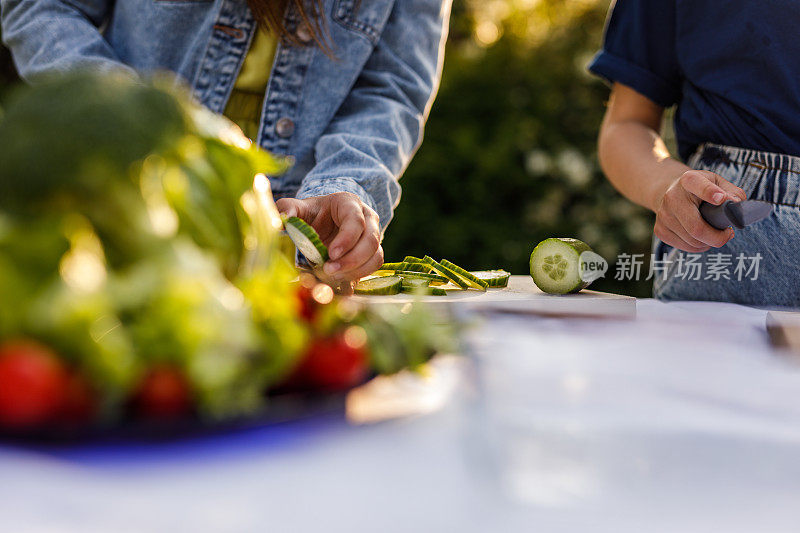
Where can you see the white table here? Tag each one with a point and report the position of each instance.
(682, 420)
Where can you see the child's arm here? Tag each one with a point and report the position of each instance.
(637, 162)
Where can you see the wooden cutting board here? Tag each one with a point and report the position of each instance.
(522, 296)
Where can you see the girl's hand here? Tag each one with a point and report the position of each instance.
(678, 219)
(348, 227)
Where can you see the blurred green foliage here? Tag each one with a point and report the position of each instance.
(509, 156)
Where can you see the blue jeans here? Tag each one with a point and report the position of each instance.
(761, 264)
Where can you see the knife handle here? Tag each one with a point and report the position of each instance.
(717, 215)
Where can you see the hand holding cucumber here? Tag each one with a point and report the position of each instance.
(678, 219)
(349, 227)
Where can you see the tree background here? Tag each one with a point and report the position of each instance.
(509, 156)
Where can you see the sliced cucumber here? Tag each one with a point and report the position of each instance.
(406, 266)
(306, 239)
(555, 265)
(446, 272)
(414, 267)
(452, 275)
(494, 278)
(422, 286)
(415, 285)
(383, 286)
(439, 278)
(464, 274)
(405, 274)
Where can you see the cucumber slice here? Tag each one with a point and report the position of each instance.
(306, 239)
(406, 266)
(387, 285)
(446, 272)
(422, 286)
(414, 267)
(415, 285)
(420, 275)
(464, 274)
(439, 269)
(412, 259)
(555, 265)
(494, 278)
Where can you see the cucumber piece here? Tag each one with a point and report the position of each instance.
(415, 285)
(306, 239)
(555, 265)
(494, 278)
(446, 272)
(422, 286)
(412, 259)
(383, 286)
(420, 275)
(407, 266)
(414, 267)
(464, 274)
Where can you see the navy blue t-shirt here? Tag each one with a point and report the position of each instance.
(732, 68)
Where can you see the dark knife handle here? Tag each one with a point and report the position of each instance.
(719, 216)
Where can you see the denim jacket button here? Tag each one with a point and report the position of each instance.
(284, 127)
(303, 33)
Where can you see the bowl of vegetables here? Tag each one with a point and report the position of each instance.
(142, 276)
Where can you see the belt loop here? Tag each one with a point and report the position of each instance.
(714, 154)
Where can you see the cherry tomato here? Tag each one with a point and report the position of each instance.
(333, 363)
(33, 384)
(163, 393)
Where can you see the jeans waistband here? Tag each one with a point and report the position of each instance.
(767, 176)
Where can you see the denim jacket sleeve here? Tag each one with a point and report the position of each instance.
(57, 35)
(379, 126)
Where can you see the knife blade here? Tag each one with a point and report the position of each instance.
(736, 214)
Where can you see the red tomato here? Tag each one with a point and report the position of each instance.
(163, 393)
(80, 404)
(33, 384)
(333, 363)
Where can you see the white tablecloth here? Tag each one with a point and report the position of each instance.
(682, 420)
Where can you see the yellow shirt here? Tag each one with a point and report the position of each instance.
(244, 104)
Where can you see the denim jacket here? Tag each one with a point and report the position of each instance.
(351, 122)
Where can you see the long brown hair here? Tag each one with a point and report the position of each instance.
(270, 13)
